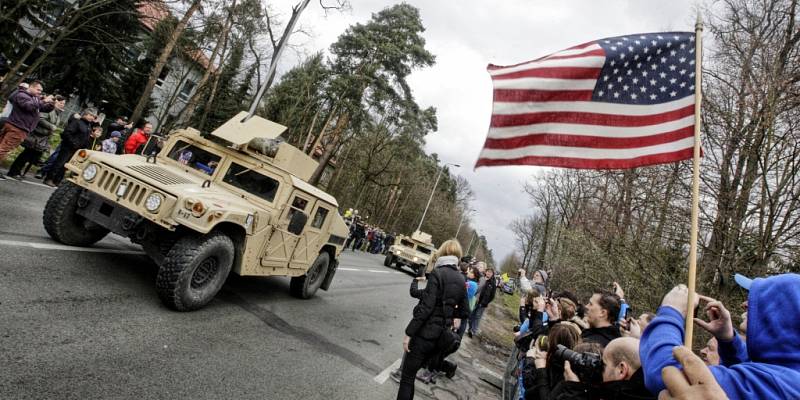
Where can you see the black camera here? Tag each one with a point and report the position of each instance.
(588, 366)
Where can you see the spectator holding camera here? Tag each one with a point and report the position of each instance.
(767, 366)
(38, 141)
(622, 375)
(601, 314)
(539, 281)
(543, 370)
(27, 104)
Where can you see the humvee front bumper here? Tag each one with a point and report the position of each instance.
(114, 217)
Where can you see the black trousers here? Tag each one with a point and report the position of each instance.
(57, 173)
(28, 156)
(420, 352)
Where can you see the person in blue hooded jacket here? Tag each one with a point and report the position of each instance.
(765, 366)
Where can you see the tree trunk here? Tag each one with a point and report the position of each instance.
(215, 85)
(162, 61)
(543, 248)
(187, 112)
(341, 124)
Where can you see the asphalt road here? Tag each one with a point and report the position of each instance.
(80, 323)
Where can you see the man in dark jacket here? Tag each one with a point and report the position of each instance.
(623, 378)
(601, 314)
(38, 142)
(26, 106)
(75, 136)
(486, 291)
(443, 303)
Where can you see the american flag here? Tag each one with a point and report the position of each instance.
(614, 103)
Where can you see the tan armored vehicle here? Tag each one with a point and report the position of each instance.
(237, 200)
(413, 251)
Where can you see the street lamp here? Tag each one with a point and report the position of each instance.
(474, 234)
(438, 176)
(463, 217)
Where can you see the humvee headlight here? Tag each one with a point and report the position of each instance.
(416, 259)
(153, 202)
(90, 172)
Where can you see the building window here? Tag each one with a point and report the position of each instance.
(186, 90)
(162, 76)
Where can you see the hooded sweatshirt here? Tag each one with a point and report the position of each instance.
(770, 369)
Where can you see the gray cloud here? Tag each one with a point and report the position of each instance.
(466, 35)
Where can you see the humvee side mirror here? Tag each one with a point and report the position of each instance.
(297, 223)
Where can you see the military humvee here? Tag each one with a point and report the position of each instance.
(202, 207)
(414, 251)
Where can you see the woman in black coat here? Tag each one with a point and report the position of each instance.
(442, 308)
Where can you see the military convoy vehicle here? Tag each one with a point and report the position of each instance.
(413, 251)
(235, 201)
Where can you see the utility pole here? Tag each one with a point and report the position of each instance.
(470, 241)
(438, 176)
(463, 217)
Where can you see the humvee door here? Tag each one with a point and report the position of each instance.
(280, 248)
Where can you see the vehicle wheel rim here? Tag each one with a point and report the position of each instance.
(205, 272)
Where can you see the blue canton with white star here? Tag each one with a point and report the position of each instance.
(648, 68)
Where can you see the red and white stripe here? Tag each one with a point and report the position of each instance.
(543, 115)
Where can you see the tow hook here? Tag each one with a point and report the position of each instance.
(129, 222)
(83, 199)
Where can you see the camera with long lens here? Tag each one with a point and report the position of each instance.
(588, 366)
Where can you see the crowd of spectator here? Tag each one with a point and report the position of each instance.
(596, 350)
(30, 119)
(365, 237)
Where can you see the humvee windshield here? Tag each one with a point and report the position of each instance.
(251, 182)
(407, 243)
(423, 250)
(195, 157)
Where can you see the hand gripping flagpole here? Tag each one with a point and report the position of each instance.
(698, 98)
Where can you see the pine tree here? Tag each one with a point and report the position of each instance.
(90, 61)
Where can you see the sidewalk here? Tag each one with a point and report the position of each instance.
(479, 360)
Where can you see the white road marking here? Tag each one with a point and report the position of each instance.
(28, 182)
(375, 271)
(384, 375)
(50, 246)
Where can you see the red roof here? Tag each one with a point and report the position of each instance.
(152, 12)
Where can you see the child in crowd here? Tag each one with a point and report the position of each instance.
(472, 288)
(110, 144)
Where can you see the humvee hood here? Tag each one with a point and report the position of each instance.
(173, 180)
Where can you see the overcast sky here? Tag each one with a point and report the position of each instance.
(465, 36)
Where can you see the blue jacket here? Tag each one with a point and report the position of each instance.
(767, 367)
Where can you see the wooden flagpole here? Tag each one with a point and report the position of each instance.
(698, 98)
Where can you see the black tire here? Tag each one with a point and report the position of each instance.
(387, 262)
(63, 224)
(194, 271)
(158, 248)
(305, 286)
